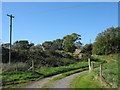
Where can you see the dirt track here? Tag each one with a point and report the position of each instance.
(40, 83)
(62, 83)
(65, 82)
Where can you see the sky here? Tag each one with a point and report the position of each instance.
(38, 22)
(60, 0)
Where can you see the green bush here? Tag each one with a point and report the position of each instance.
(86, 56)
(19, 66)
(107, 42)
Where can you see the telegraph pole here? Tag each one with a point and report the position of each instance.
(90, 41)
(11, 16)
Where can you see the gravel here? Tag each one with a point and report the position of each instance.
(62, 83)
(40, 83)
(65, 82)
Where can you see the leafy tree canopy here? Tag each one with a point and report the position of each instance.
(107, 42)
(22, 45)
(70, 42)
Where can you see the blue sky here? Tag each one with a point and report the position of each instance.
(46, 21)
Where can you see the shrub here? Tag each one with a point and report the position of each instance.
(19, 66)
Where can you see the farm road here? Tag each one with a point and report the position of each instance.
(40, 83)
(65, 82)
(62, 83)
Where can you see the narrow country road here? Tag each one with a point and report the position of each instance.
(40, 83)
(65, 82)
(62, 83)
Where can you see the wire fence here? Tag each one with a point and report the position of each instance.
(107, 74)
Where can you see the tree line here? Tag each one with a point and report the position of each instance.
(62, 51)
(106, 42)
(50, 53)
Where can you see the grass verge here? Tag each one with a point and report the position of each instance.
(110, 69)
(69, 73)
(86, 80)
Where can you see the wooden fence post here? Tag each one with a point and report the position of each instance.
(89, 64)
(33, 69)
(100, 72)
(16, 67)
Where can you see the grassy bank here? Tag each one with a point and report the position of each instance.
(86, 80)
(109, 72)
(70, 73)
(110, 69)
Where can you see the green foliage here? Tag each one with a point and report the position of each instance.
(86, 56)
(41, 58)
(38, 56)
(19, 66)
(87, 49)
(69, 42)
(22, 45)
(42, 55)
(14, 78)
(56, 70)
(53, 45)
(37, 47)
(56, 61)
(58, 44)
(110, 69)
(19, 56)
(47, 44)
(107, 42)
(65, 54)
(5, 54)
(69, 73)
(86, 80)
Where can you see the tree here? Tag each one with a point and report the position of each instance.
(47, 44)
(58, 44)
(5, 54)
(53, 45)
(107, 42)
(22, 45)
(87, 49)
(37, 47)
(70, 41)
